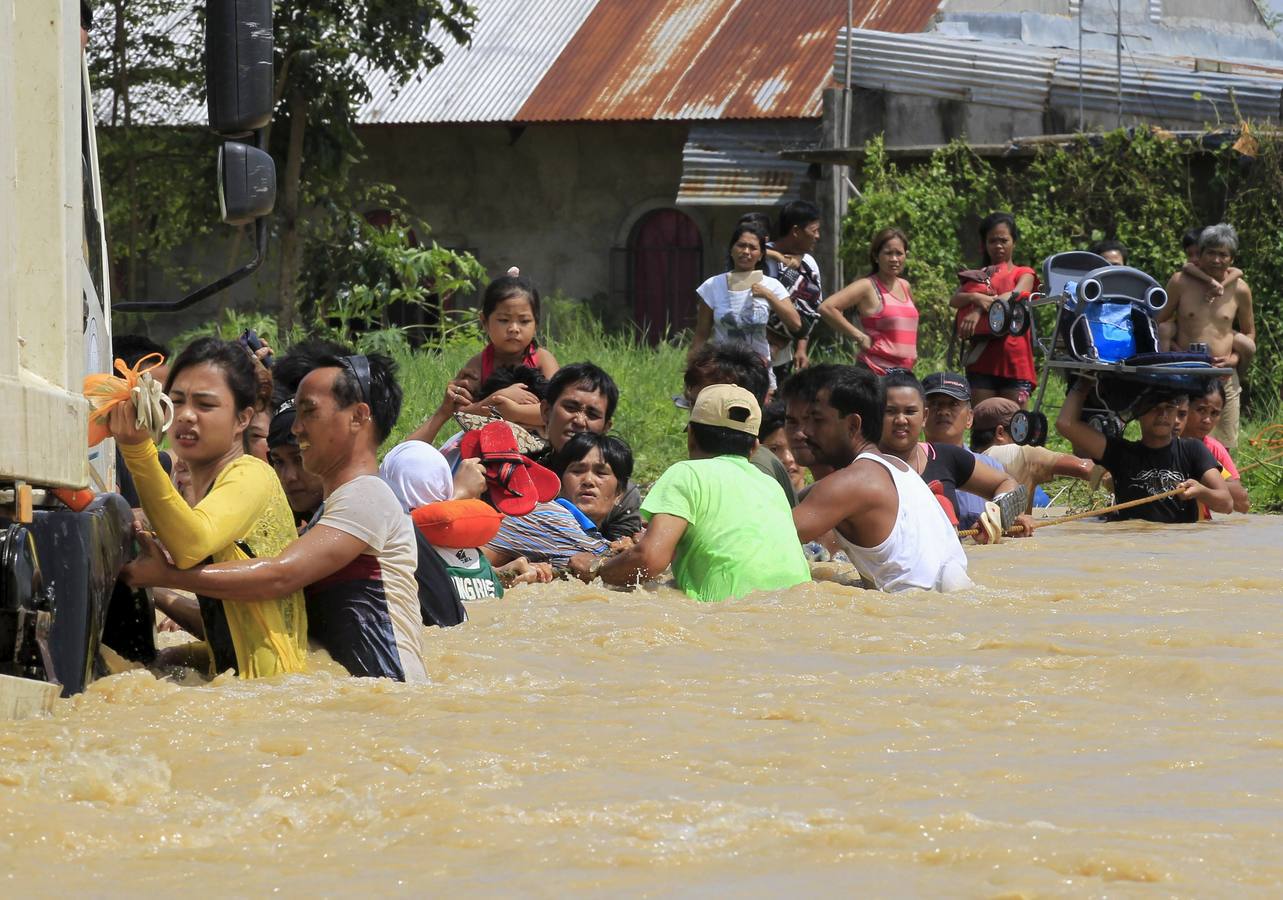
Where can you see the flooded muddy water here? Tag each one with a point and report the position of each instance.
(1103, 717)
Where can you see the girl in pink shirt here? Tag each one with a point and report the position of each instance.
(1204, 413)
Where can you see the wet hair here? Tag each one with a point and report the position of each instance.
(591, 378)
(746, 228)
(721, 441)
(133, 347)
(988, 224)
(758, 219)
(1100, 248)
(1146, 402)
(614, 451)
(292, 367)
(249, 383)
(806, 384)
(856, 390)
(797, 214)
(729, 362)
(385, 391)
(772, 420)
(1190, 238)
(879, 241)
(507, 376)
(1218, 235)
(902, 379)
(505, 288)
(1214, 386)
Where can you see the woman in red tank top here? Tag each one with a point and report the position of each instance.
(1004, 366)
(888, 332)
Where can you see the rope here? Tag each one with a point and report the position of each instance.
(1061, 520)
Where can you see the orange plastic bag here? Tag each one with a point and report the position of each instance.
(104, 391)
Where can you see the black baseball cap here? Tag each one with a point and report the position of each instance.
(949, 383)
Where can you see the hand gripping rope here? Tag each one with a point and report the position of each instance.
(1061, 520)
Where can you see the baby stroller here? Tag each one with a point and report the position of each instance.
(1105, 327)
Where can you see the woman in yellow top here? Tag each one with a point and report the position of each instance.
(241, 511)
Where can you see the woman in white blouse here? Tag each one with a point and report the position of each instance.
(735, 305)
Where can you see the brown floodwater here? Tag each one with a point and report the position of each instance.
(1104, 716)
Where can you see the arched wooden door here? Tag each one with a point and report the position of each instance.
(667, 264)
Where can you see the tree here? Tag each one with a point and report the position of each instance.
(146, 66)
(144, 63)
(323, 49)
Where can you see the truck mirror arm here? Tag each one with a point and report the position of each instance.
(208, 290)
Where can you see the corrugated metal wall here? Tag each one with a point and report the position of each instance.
(1018, 76)
(1164, 92)
(738, 163)
(928, 65)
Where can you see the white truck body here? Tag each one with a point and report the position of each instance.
(54, 320)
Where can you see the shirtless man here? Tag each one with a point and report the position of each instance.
(886, 518)
(1195, 314)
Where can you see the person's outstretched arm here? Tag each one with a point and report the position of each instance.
(646, 559)
(320, 552)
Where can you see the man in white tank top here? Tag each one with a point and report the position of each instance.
(886, 518)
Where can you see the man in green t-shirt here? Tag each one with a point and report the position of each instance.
(725, 527)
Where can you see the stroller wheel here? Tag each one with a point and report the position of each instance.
(1019, 318)
(1038, 430)
(1021, 426)
(1107, 424)
(999, 318)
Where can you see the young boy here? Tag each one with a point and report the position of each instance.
(1157, 463)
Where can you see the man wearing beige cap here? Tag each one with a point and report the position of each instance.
(725, 527)
(1030, 466)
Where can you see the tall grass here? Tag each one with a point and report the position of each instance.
(648, 377)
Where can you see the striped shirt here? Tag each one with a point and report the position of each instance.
(548, 534)
(893, 330)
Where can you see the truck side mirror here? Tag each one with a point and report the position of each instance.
(239, 79)
(246, 183)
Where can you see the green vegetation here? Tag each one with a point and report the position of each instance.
(648, 378)
(146, 55)
(1143, 188)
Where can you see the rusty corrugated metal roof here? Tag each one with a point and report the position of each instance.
(513, 45)
(705, 59)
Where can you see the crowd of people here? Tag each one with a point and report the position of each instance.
(270, 524)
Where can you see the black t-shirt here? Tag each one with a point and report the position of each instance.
(950, 465)
(1141, 471)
